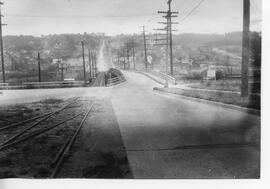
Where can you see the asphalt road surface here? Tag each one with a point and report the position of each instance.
(169, 137)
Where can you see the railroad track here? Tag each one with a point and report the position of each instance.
(30, 130)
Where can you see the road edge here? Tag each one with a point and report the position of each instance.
(228, 106)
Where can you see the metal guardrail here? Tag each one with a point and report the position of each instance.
(53, 84)
(26, 85)
(4, 84)
(164, 76)
(115, 81)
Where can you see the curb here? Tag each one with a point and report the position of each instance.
(228, 106)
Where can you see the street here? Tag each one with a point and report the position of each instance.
(154, 126)
(166, 136)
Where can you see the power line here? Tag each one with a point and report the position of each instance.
(256, 6)
(192, 10)
(257, 11)
(77, 15)
(188, 7)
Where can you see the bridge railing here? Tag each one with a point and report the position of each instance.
(53, 84)
(164, 76)
(116, 80)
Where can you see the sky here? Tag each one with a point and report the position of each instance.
(42, 17)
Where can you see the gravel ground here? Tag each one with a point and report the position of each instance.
(33, 158)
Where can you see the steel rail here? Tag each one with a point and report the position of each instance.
(37, 133)
(23, 122)
(36, 124)
(28, 120)
(65, 150)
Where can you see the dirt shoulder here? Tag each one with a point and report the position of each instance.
(98, 151)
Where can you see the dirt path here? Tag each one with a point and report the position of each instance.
(99, 152)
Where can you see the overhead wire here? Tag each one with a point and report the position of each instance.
(256, 6)
(192, 10)
(184, 11)
(75, 17)
(82, 16)
(257, 13)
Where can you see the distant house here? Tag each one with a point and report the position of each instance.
(57, 60)
(187, 61)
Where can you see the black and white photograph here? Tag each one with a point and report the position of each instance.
(130, 89)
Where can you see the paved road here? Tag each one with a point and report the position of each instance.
(155, 128)
(168, 137)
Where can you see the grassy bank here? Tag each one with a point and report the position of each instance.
(234, 98)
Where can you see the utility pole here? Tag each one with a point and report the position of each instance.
(128, 63)
(168, 39)
(145, 49)
(118, 58)
(169, 15)
(95, 63)
(166, 52)
(39, 72)
(2, 46)
(170, 33)
(245, 48)
(62, 71)
(124, 57)
(93, 66)
(84, 75)
(133, 53)
(90, 67)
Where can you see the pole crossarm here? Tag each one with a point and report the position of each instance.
(165, 29)
(160, 39)
(164, 44)
(167, 23)
(168, 29)
(172, 16)
(168, 12)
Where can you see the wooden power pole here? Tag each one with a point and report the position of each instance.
(133, 53)
(93, 66)
(90, 66)
(128, 63)
(84, 75)
(62, 71)
(169, 41)
(245, 48)
(145, 48)
(39, 71)
(1, 46)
